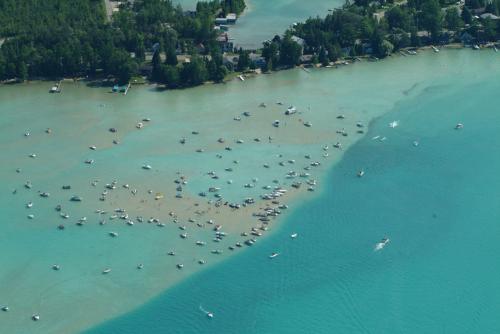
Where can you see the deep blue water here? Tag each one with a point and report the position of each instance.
(439, 204)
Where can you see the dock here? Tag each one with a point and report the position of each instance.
(127, 88)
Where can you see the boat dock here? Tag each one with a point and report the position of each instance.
(126, 89)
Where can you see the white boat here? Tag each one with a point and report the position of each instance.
(459, 126)
(291, 110)
(35, 317)
(29, 205)
(139, 125)
(476, 47)
(31, 216)
(32, 155)
(93, 147)
(241, 77)
(113, 234)
(380, 245)
(106, 271)
(147, 167)
(294, 235)
(276, 123)
(273, 255)
(56, 267)
(415, 143)
(495, 49)
(209, 314)
(435, 49)
(140, 266)
(393, 124)
(361, 173)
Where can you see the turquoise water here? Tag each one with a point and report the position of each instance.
(438, 203)
(266, 18)
(410, 89)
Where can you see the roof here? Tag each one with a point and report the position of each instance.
(298, 40)
(231, 16)
(489, 16)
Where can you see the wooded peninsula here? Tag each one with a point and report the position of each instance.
(162, 42)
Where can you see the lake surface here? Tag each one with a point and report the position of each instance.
(263, 19)
(434, 201)
(437, 202)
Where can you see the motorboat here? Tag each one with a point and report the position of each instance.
(140, 266)
(434, 49)
(89, 161)
(35, 317)
(361, 173)
(276, 124)
(291, 110)
(44, 194)
(294, 235)
(147, 167)
(106, 271)
(28, 185)
(75, 198)
(393, 124)
(31, 216)
(459, 126)
(380, 245)
(273, 255)
(56, 267)
(113, 234)
(29, 205)
(180, 266)
(139, 125)
(209, 314)
(93, 147)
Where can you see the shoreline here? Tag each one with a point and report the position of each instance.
(103, 83)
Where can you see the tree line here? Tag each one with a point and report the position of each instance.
(60, 38)
(380, 28)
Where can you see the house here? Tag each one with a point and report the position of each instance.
(231, 18)
(220, 20)
(257, 59)
(306, 59)
(466, 38)
(225, 44)
(489, 16)
(298, 40)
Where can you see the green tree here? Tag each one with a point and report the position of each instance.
(171, 56)
(397, 18)
(243, 61)
(452, 18)
(431, 17)
(169, 75)
(466, 15)
(194, 73)
(290, 52)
